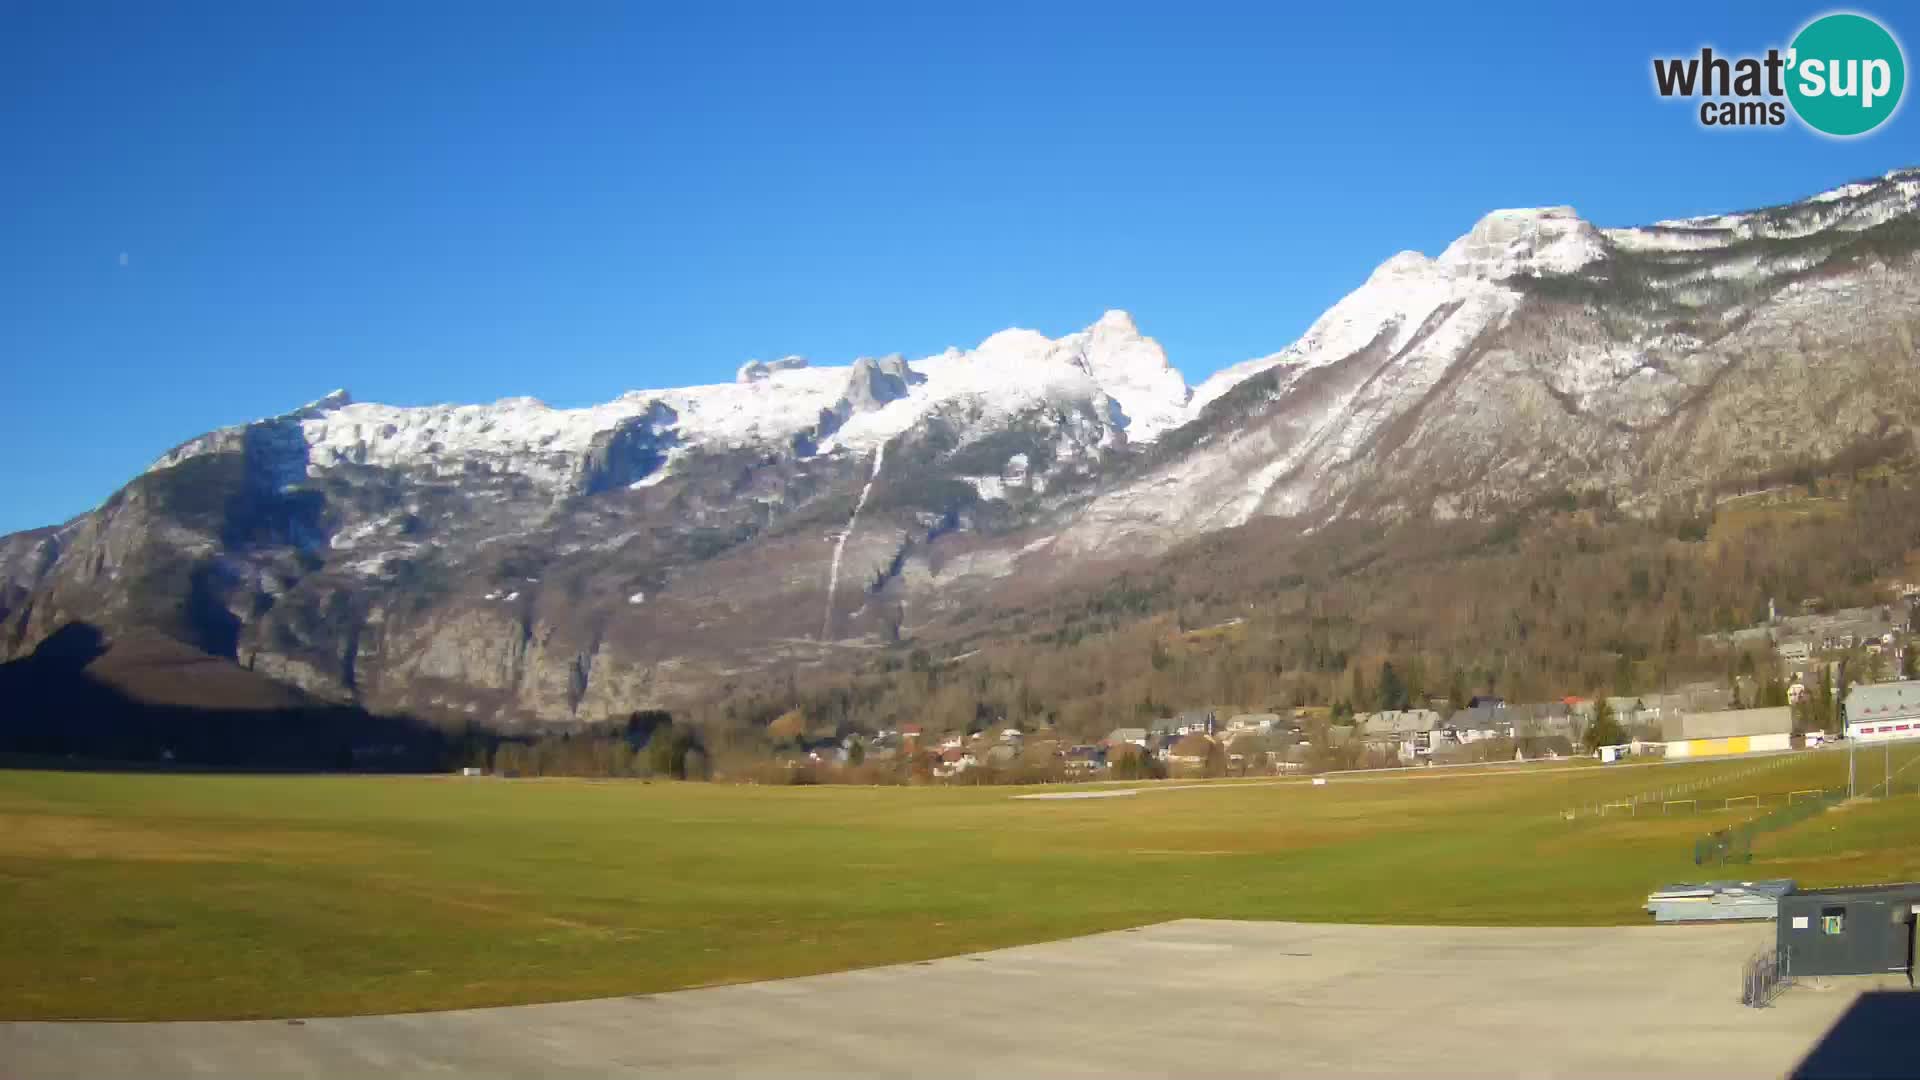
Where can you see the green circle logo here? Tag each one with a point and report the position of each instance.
(1846, 74)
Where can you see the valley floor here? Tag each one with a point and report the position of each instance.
(221, 897)
(1183, 998)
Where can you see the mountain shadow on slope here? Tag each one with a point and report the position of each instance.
(146, 698)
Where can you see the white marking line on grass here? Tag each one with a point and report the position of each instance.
(1530, 767)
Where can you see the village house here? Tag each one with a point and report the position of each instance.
(1135, 735)
(1406, 732)
(1551, 720)
(1696, 697)
(1195, 722)
(1084, 759)
(1262, 723)
(1160, 745)
(1626, 709)
(953, 761)
(1190, 752)
(1480, 722)
(1038, 752)
(1254, 751)
(884, 747)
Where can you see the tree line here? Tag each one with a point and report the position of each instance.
(1575, 598)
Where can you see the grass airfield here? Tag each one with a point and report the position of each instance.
(173, 896)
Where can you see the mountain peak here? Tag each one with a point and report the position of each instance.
(1533, 240)
(1400, 265)
(760, 370)
(338, 399)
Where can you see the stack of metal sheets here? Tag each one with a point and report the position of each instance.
(1716, 900)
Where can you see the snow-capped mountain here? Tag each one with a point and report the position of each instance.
(514, 562)
(1539, 353)
(1109, 366)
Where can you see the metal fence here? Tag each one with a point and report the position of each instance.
(1679, 791)
(1735, 845)
(1764, 975)
(1722, 847)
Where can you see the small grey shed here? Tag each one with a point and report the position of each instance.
(1850, 930)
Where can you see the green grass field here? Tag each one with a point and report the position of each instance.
(174, 896)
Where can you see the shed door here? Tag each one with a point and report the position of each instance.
(1913, 947)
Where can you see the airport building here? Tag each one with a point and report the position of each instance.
(1879, 712)
(1732, 731)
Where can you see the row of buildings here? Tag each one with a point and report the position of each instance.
(1263, 742)
(1797, 639)
(1691, 722)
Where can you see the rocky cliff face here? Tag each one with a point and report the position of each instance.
(514, 563)
(1539, 354)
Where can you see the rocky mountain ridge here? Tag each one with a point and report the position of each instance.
(515, 563)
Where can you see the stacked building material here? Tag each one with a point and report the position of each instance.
(1719, 900)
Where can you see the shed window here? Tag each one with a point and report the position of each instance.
(1833, 920)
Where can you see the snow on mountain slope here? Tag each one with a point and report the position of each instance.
(529, 563)
(1110, 364)
(1371, 357)
(1395, 298)
(1848, 208)
(1508, 243)
(1535, 351)
(1404, 291)
(1386, 345)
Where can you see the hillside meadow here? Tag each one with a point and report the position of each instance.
(164, 896)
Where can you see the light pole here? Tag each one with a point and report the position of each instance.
(1852, 748)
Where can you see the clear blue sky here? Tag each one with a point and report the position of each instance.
(429, 202)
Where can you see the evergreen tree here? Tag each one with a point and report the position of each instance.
(660, 750)
(1605, 729)
(1392, 692)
